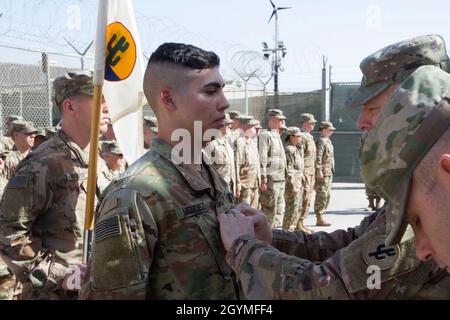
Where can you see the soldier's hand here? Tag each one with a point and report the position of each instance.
(263, 186)
(233, 225)
(74, 278)
(294, 191)
(319, 176)
(263, 231)
(238, 194)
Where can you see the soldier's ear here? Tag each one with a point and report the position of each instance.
(444, 165)
(67, 105)
(166, 96)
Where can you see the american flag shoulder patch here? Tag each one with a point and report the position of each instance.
(109, 227)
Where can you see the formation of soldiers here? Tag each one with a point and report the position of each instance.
(276, 176)
(171, 228)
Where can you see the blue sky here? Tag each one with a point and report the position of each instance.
(346, 31)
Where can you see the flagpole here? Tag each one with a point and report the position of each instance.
(99, 73)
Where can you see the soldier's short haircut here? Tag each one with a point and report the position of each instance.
(185, 55)
(426, 171)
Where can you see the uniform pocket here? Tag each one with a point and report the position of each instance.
(116, 261)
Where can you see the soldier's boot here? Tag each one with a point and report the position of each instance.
(371, 205)
(301, 226)
(378, 203)
(321, 222)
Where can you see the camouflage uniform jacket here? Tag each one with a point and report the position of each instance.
(272, 156)
(157, 236)
(309, 153)
(6, 143)
(248, 168)
(109, 174)
(232, 135)
(295, 167)
(222, 156)
(335, 266)
(11, 162)
(325, 157)
(3, 183)
(42, 216)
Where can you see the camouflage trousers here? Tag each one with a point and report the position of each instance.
(308, 188)
(371, 194)
(250, 196)
(7, 287)
(7, 282)
(272, 202)
(323, 192)
(292, 212)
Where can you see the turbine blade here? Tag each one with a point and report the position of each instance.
(272, 4)
(273, 13)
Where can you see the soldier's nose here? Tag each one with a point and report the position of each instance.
(424, 251)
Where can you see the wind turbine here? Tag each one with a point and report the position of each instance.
(279, 46)
(275, 11)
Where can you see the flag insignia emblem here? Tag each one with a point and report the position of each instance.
(120, 52)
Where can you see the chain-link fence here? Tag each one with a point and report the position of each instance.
(26, 88)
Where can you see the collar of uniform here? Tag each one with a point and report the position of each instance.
(82, 155)
(193, 177)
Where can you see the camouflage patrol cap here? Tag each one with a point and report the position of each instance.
(248, 120)
(22, 126)
(294, 131)
(41, 132)
(395, 63)
(13, 117)
(307, 117)
(327, 125)
(50, 132)
(151, 122)
(72, 83)
(413, 121)
(277, 113)
(233, 114)
(111, 147)
(228, 119)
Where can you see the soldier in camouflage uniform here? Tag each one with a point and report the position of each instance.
(372, 197)
(406, 159)
(221, 155)
(309, 155)
(6, 142)
(150, 130)
(43, 206)
(235, 131)
(294, 175)
(273, 169)
(23, 134)
(344, 256)
(156, 234)
(324, 171)
(6, 279)
(114, 160)
(248, 169)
